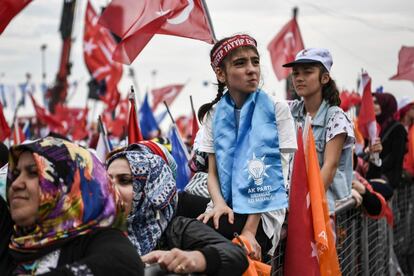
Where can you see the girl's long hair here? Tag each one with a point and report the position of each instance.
(330, 92)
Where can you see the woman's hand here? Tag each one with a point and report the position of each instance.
(358, 186)
(357, 196)
(217, 211)
(256, 252)
(376, 146)
(177, 261)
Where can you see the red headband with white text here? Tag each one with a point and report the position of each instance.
(229, 45)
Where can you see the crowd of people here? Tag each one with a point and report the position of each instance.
(64, 212)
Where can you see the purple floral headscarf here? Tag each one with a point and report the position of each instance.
(75, 194)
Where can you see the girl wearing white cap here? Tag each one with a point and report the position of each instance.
(248, 137)
(332, 129)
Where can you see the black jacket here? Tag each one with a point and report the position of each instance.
(394, 141)
(101, 252)
(222, 256)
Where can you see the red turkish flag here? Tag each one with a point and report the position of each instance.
(9, 9)
(167, 93)
(98, 45)
(134, 132)
(367, 123)
(18, 135)
(284, 47)
(136, 22)
(405, 64)
(48, 119)
(184, 125)
(300, 246)
(75, 119)
(117, 127)
(5, 130)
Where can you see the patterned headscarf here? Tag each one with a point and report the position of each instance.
(75, 194)
(155, 196)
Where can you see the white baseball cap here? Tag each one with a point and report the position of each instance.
(313, 55)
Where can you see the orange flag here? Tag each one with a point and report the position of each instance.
(323, 232)
(359, 143)
(409, 156)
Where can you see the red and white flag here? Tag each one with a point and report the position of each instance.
(134, 132)
(5, 130)
(18, 135)
(367, 122)
(300, 245)
(405, 64)
(98, 46)
(136, 22)
(75, 119)
(48, 119)
(284, 47)
(117, 126)
(167, 93)
(9, 9)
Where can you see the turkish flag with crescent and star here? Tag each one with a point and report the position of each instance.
(48, 119)
(284, 47)
(367, 122)
(300, 244)
(167, 93)
(136, 22)
(97, 48)
(322, 227)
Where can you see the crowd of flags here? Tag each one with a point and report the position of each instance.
(119, 35)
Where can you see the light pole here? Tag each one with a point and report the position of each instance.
(44, 86)
(43, 49)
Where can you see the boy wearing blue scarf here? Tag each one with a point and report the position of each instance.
(249, 138)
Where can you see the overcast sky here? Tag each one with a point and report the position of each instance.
(360, 34)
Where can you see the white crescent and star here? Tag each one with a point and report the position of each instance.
(182, 17)
(289, 40)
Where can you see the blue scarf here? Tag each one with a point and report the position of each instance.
(248, 156)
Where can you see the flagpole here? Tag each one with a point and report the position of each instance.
(169, 113)
(192, 104)
(135, 82)
(210, 23)
(174, 127)
(102, 129)
(134, 101)
(19, 104)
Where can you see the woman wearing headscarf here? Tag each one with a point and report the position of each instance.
(393, 139)
(143, 175)
(63, 209)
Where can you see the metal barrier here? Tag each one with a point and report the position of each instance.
(365, 246)
(403, 234)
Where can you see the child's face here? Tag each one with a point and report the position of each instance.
(241, 72)
(307, 79)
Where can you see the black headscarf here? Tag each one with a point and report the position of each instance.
(389, 106)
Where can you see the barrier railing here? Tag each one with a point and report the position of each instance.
(365, 246)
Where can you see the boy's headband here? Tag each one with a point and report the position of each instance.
(229, 45)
